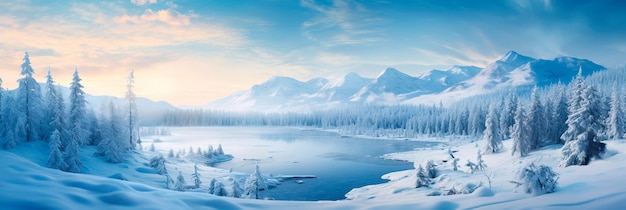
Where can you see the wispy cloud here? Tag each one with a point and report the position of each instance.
(344, 22)
(143, 2)
(168, 16)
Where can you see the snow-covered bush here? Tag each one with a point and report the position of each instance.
(158, 163)
(455, 164)
(471, 167)
(480, 164)
(180, 182)
(537, 180)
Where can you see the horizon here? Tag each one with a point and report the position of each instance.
(253, 41)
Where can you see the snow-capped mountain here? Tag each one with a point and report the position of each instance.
(342, 88)
(274, 93)
(392, 86)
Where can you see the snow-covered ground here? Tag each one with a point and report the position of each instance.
(26, 184)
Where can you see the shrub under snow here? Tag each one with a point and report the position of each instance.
(537, 180)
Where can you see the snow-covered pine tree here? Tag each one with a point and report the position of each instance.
(152, 149)
(537, 180)
(209, 153)
(29, 103)
(491, 135)
(180, 182)
(560, 116)
(132, 114)
(112, 146)
(506, 116)
(78, 112)
(519, 133)
(170, 154)
(217, 188)
(55, 158)
(71, 156)
(254, 184)
(431, 169)
(158, 163)
(55, 116)
(219, 150)
(422, 178)
(615, 124)
(236, 189)
(582, 138)
(196, 176)
(536, 122)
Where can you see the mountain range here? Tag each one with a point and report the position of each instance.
(392, 86)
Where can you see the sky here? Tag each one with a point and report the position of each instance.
(190, 52)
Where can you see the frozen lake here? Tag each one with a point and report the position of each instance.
(339, 163)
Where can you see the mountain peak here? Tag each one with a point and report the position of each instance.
(514, 57)
(391, 72)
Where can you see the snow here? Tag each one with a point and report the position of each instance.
(27, 185)
(583, 187)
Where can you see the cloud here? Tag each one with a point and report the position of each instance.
(168, 16)
(143, 2)
(344, 22)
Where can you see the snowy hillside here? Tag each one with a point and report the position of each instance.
(392, 86)
(579, 187)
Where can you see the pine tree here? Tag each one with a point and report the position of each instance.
(55, 158)
(491, 134)
(78, 112)
(29, 103)
(112, 145)
(133, 129)
(536, 122)
(180, 182)
(254, 184)
(615, 122)
(219, 150)
(55, 116)
(422, 178)
(170, 154)
(236, 191)
(561, 113)
(196, 176)
(158, 163)
(519, 133)
(582, 138)
(431, 169)
(71, 157)
(217, 188)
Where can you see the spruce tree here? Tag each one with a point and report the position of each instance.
(254, 184)
(55, 158)
(615, 122)
(584, 124)
(519, 133)
(78, 112)
(491, 135)
(29, 103)
(422, 178)
(132, 115)
(536, 122)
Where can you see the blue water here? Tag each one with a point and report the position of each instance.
(339, 163)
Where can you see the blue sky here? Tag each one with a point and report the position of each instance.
(193, 52)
